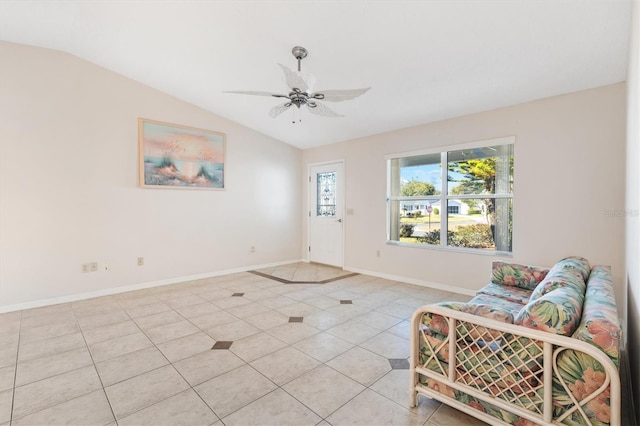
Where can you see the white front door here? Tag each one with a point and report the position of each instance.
(326, 203)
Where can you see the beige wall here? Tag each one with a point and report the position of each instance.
(569, 173)
(633, 207)
(69, 186)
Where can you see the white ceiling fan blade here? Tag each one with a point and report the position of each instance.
(250, 92)
(279, 109)
(338, 95)
(294, 80)
(320, 109)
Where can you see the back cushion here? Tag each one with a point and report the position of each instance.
(559, 278)
(574, 263)
(515, 275)
(557, 312)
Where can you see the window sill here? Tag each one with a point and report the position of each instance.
(452, 249)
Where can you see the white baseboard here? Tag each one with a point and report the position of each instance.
(140, 286)
(437, 286)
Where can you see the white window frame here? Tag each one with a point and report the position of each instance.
(444, 197)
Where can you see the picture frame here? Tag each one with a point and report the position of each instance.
(172, 156)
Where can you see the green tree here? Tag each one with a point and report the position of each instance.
(416, 188)
(478, 177)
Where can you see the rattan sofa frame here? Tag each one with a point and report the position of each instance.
(552, 345)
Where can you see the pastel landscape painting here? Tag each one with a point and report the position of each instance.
(174, 156)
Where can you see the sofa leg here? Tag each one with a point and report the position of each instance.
(413, 395)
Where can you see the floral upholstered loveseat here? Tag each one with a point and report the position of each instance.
(535, 346)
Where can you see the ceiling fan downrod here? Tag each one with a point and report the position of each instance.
(299, 53)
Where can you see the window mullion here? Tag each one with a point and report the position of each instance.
(394, 192)
(502, 186)
(444, 202)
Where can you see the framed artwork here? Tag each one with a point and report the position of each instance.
(179, 157)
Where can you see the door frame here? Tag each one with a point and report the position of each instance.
(309, 205)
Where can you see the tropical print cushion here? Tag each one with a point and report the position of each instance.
(557, 278)
(574, 263)
(495, 307)
(437, 323)
(599, 325)
(516, 275)
(583, 375)
(558, 311)
(512, 294)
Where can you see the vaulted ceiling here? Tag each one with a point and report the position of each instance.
(425, 60)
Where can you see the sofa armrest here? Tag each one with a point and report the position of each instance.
(437, 324)
(538, 376)
(599, 324)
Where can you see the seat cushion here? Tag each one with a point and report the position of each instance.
(498, 305)
(512, 294)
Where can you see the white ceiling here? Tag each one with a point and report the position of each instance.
(425, 60)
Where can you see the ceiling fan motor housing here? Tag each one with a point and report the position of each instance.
(299, 52)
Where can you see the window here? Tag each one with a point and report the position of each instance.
(326, 203)
(460, 199)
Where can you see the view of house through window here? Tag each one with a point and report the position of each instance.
(460, 198)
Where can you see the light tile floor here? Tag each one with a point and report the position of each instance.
(146, 357)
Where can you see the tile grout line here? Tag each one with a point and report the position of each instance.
(286, 281)
(95, 367)
(228, 285)
(15, 373)
(169, 363)
(59, 374)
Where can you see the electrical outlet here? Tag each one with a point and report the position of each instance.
(85, 268)
(377, 253)
(105, 266)
(93, 266)
(140, 261)
(252, 249)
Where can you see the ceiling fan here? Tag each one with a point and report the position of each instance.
(301, 93)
